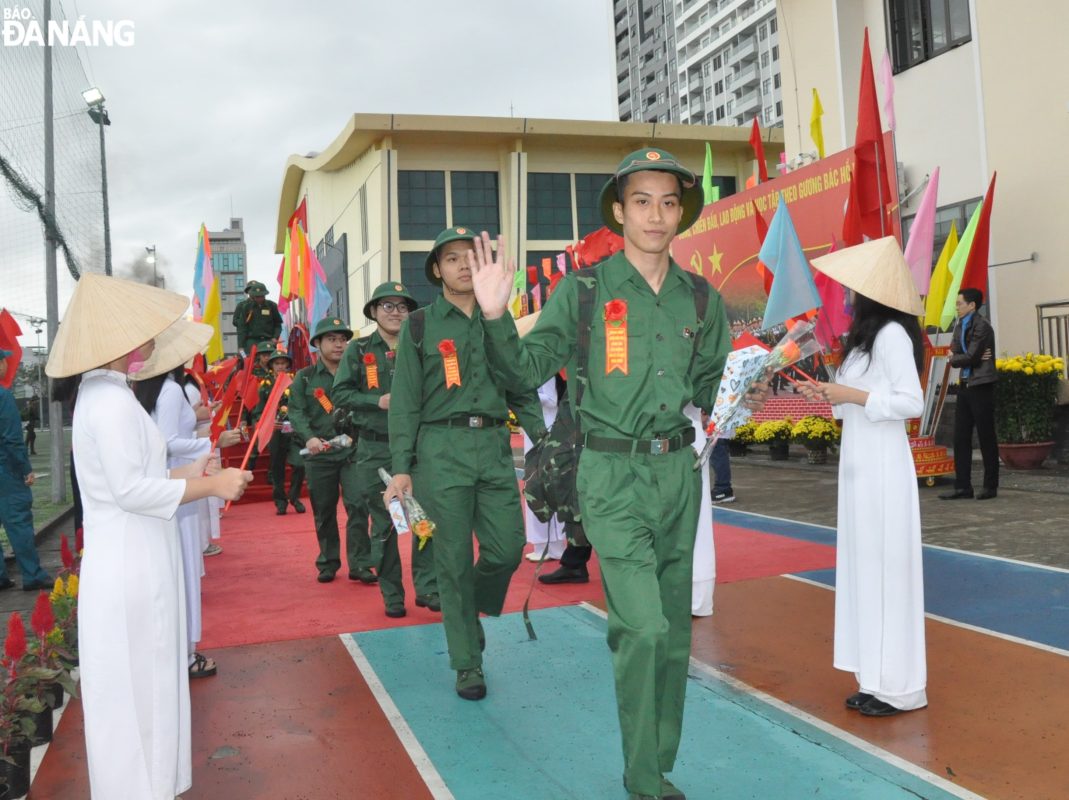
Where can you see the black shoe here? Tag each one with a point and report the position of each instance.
(364, 575)
(878, 708)
(396, 611)
(325, 577)
(987, 494)
(566, 575)
(34, 586)
(724, 497)
(6, 583)
(670, 791)
(471, 685)
(298, 506)
(429, 601)
(957, 494)
(856, 700)
(280, 509)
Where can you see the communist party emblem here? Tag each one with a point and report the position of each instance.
(616, 336)
(448, 349)
(371, 369)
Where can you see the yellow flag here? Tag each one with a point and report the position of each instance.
(816, 127)
(937, 289)
(213, 310)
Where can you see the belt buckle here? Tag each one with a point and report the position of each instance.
(658, 447)
(475, 422)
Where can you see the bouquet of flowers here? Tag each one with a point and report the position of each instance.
(411, 517)
(744, 369)
(341, 440)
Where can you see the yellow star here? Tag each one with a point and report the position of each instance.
(714, 259)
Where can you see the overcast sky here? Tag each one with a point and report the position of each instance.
(213, 97)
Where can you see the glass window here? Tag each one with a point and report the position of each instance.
(475, 200)
(775, 52)
(587, 189)
(720, 113)
(717, 63)
(549, 205)
(776, 81)
(764, 59)
(779, 109)
(766, 86)
(959, 21)
(415, 279)
(420, 203)
(923, 29)
(727, 185)
(719, 87)
(772, 25)
(762, 33)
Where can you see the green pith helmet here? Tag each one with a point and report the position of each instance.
(330, 325)
(267, 346)
(652, 158)
(279, 354)
(389, 289)
(454, 234)
(255, 289)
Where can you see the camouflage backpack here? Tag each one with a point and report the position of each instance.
(551, 466)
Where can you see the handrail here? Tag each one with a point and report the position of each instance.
(1052, 321)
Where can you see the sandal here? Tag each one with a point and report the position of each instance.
(202, 667)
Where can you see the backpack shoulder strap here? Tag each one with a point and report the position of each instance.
(587, 281)
(416, 326)
(701, 296)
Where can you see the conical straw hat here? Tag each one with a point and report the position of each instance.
(106, 319)
(877, 270)
(174, 347)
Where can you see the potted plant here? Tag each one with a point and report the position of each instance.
(47, 650)
(1025, 395)
(64, 603)
(817, 434)
(739, 444)
(776, 433)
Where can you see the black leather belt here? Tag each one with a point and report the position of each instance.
(654, 447)
(372, 436)
(468, 421)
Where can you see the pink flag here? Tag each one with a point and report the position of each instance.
(562, 259)
(833, 321)
(887, 84)
(922, 236)
(536, 294)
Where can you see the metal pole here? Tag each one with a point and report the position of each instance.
(104, 190)
(55, 409)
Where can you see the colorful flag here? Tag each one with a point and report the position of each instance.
(9, 340)
(203, 274)
(940, 283)
(285, 279)
(834, 319)
(320, 297)
(265, 428)
(223, 413)
(711, 192)
(762, 234)
(250, 385)
(300, 215)
(887, 82)
(213, 311)
(922, 236)
(816, 124)
(975, 275)
(759, 152)
(793, 291)
(956, 266)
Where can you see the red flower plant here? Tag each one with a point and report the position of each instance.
(42, 620)
(15, 644)
(616, 310)
(65, 553)
(369, 358)
(447, 347)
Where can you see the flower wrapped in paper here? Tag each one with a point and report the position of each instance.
(409, 515)
(744, 369)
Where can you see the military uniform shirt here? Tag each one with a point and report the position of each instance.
(419, 387)
(648, 401)
(351, 388)
(254, 321)
(306, 413)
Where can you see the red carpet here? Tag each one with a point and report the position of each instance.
(262, 587)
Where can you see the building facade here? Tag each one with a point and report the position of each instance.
(976, 90)
(229, 261)
(388, 184)
(698, 62)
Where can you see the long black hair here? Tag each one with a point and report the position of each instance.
(148, 391)
(870, 318)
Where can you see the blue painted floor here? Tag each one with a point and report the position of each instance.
(1027, 601)
(548, 728)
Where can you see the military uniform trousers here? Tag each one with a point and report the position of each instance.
(370, 456)
(16, 500)
(280, 450)
(331, 476)
(640, 513)
(465, 480)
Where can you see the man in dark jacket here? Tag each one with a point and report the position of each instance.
(971, 349)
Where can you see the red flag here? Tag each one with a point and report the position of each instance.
(249, 383)
(265, 428)
(217, 374)
(300, 215)
(762, 232)
(870, 190)
(759, 152)
(975, 275)
(198, 378)
(747, 339)
(221, 416)
(9, 340)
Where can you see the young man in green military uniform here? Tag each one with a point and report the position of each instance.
(281, 448)
(363, 386)
(256, 318)
(330, 471)
(449, 439)
(658, 341)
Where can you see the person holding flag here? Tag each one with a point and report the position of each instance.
(281, 446)
(256, 318)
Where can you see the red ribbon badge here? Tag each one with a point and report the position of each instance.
(324, 401)
(448, 349)
(372, 370)
(616, 336)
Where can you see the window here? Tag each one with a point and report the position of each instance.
(420, 203)
(549, 205)
(766, 86)
(762, 33)
(719, 113)
(707, 68)
(772, 25)
(365, 242)
(717, 62)
(776, 81)
(719, 87)
(415, 279)
(587, 189)
(708, 93)
(775, 52)
(475, 200)
(768, 114)
(923, 29)
(779, 109)
(764, 59)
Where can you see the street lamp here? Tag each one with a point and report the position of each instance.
(94, 98)
(151, 259)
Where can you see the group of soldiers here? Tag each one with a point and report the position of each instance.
(427, 396)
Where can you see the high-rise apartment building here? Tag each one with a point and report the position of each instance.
(712, 62)
(230, 264)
